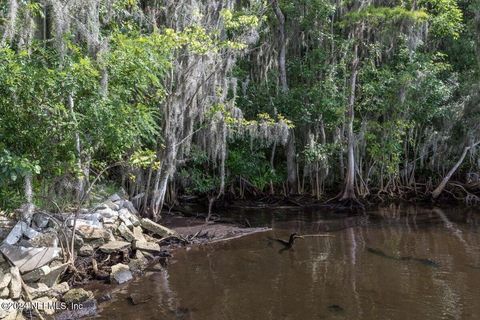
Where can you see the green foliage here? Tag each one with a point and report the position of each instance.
(376, 16)
(251, 165)
(445, 17)
(13, 168)
(417, 70)
(144, 159)
(316, 152)
(237, 20)
(196, 176)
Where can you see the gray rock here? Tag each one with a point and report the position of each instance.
(138, 234)
(61, 288)
(120, 274)
(37, 290)
(114, 197)
(49, 239)
(156, 228)
(112, 205)
(147, 255)
(109, 221)
(91, 232)
(40, 220)
(5, 267)
(147, 246)
(140, 256)
(5, 279)
(138, 265)
(111, 237)
(77, 295)
(66, 236)
(91, 216)
(86, 251)
(83, 222)
(30, 233)
(128, 205)
(15, 283)
(119, 202)
(51, 278)
(24, 243)
(36, 274)
(28, 259)
(21, 228)
(125, 232)
(41, 289)
(134, 219)
(16, 233)
(107, 213)
(114, 246)
(5, 292)
(125, 215)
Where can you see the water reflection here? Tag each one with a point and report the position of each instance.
(325, 277)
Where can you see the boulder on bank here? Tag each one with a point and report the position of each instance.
(36, 274)
(147, 246)
(15, 283)
(85, 251)
(156, 228)
(92, 232)
(114, 246)
(5, 279)
(120, 274)
(125, 232)
(5, 292)
(33, 247)
(28, 259)
(77, 295)
(37, 290)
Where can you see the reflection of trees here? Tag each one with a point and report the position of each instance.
(246, 278)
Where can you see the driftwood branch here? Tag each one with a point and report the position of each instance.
(438, 190)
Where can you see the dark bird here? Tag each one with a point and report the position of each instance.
(288, 244)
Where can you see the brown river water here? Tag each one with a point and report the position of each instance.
(396, 262)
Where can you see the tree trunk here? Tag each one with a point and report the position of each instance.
(211, 200)
(477, 31)
(80, 189)
(27, 214)
(292, 163)
(282, 46)
(223, 156)
(438, 190)
(339, 138)
(349, 190)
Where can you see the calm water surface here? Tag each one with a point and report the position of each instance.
(393, 263)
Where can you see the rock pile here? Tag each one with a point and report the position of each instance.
(35, 257)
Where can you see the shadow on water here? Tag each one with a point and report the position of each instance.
(395, 262)
(426, 262)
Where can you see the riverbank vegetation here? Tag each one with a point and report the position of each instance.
(366, 100)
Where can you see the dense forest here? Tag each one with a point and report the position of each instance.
(370, 99)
